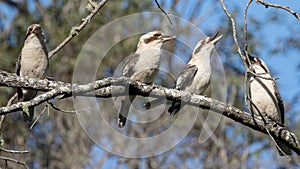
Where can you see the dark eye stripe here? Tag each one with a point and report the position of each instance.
(262, 65)
(199, 48)
(150, 39)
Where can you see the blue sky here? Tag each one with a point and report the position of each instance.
(283, 66)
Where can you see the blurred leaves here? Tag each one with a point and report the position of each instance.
(58, 141)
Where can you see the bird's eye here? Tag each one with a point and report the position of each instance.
(157, 35)
(30, 29)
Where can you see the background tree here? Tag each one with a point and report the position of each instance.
(58, 141)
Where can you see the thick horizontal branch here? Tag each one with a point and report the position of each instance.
(109, 87)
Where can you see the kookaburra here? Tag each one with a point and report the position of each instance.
(32, 63)
(263, 97)
(142, 65)
(195, 77)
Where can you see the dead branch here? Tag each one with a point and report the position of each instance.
(163, 11)
(74, 32)
(267, 4)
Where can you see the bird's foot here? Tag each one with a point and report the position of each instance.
(120, 123)
(147, 105)
(49, 78)
(173, 113)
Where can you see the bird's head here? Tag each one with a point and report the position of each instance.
(153, 39)
(258, 65)
(205, 46)
(35, 29)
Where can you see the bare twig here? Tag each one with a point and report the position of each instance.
(13, 151)
(247, 71)
(66, 111)
(14, 161)
(2, 118)
(267, 4)
(274, 141)
(38, 117)
(234, 34)
(245, 26)
(77, 29)
(163, 11)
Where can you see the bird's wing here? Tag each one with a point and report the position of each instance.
(186, 77)
(128, 68)
(18, 69)
(18, 65)
(280, 104)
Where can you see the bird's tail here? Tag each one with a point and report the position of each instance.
(20, 93)
(125, 106)
(28, 116)
(26, 95)
(176, 106)
(284, 149)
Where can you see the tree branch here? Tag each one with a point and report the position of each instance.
(234, 34)
(163, 11)
(13, 151)
(14, 161)
(267, 4)
(245, 27)
(74, 32)
(109, 87)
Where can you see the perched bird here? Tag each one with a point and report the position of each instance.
(142, 66)
(195, 77)
(263, 97)
(32, 63)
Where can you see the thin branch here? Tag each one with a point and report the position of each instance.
(74, 32)
(163, 11)
(2, 118)
(264, 117)
(13, 151)
(244, 59)
(245, 26)
(234, 34)
(277, 146)
(38, 117)
(14, 161)
(267, 4)
(109, 87)
(66, 111)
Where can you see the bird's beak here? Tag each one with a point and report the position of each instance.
(167, 38)
(215, 38)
